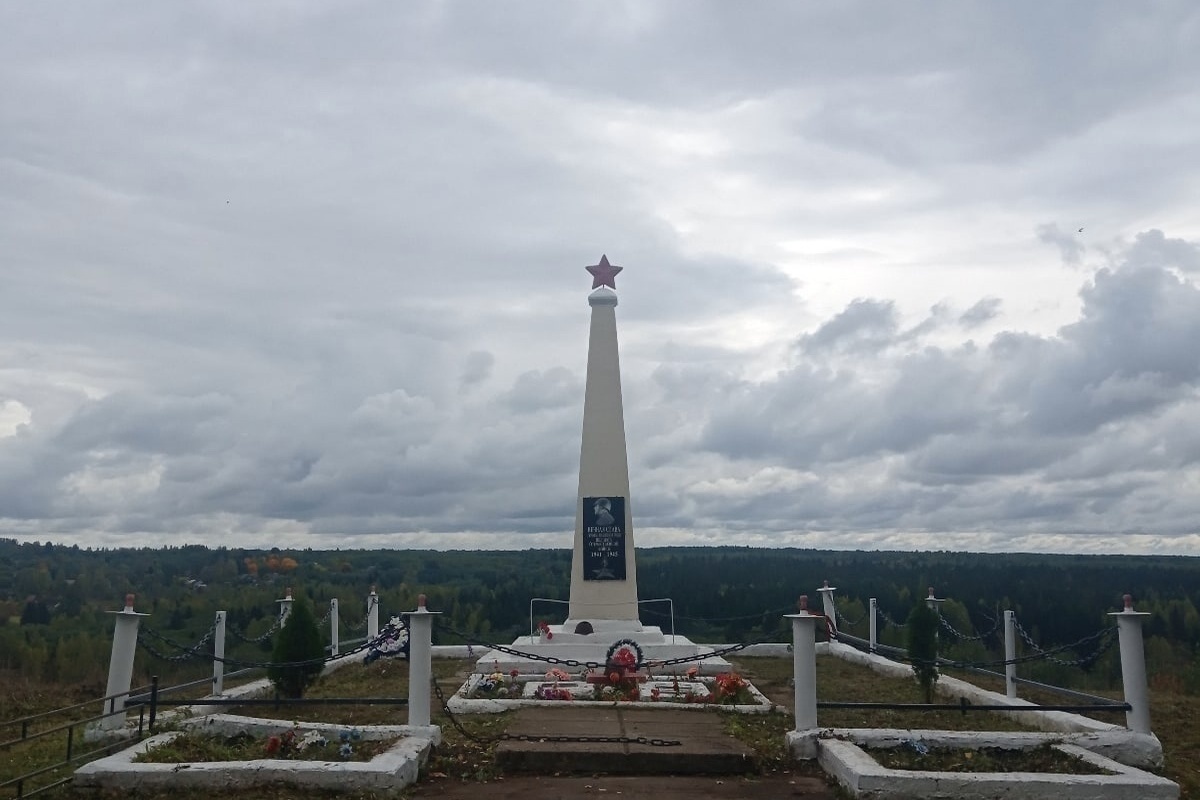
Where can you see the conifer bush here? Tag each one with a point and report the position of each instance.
(298, 640)
(923, 646)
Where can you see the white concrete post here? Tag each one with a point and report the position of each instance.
(333, 627)
(372, 616)
(934, 602)
(120, 664)
(826, 591)
(874, 625)
(1133, 666)
(420, 670)
(804, 665)
(285, 606)
(218, 683)
(1010, 653)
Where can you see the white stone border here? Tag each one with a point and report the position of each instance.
(1136, 749)
(231, 724)
(395, 768)
(863, 776)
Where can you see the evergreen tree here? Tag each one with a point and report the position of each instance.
(298, 640)
(923, 646)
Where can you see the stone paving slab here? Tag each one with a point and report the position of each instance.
(657, 787)
(704, 747)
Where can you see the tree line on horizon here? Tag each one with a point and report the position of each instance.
(54, 598)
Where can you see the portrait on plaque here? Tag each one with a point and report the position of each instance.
(604, 538)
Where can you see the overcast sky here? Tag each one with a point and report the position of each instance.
(897, 275)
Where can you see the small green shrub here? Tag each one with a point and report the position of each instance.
(923, 646)
(299, 640)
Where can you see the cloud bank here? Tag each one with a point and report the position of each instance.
(307, 275)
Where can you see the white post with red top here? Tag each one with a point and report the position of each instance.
(120, 665)
(1133, 666)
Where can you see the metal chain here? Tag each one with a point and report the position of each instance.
(181, 657)
(883, 616)
(1104, 636)
(362, 623)
(847, 622)
(522, 737)
(356, 626)
(258, 639)
(188, 654)
(945, 623)
(328, 614)
(1083, 661)
(263, 664)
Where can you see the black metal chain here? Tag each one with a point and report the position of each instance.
(522, 737)
(1082, 662)
(945, 623)
(361, 624)
(847, 622)
(188, 653)
(258, 639)
(235, 662)
(1100, 635)
(883, 616)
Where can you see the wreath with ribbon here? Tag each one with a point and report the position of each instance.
(620, 644)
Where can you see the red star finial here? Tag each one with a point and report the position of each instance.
(604, 273)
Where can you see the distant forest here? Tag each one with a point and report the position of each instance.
(54, 598)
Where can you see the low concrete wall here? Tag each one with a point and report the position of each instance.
(394, 769)
(863, 776)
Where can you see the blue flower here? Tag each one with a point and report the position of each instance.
(345, 750)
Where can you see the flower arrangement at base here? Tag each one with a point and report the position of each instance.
(552, 692)
(544, 629)
(624, 655)
(495, 687)
(619, 689)
(731, 688)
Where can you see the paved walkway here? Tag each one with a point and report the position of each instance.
(707, 762)
(658, 787)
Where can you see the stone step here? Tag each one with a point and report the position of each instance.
(704, 747)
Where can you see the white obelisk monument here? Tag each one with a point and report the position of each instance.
(603, 568)
(603, 606)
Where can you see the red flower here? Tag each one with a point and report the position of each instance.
(273, 745)
(515, 673)
(625, 657)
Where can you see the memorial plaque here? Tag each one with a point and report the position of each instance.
(604, 538)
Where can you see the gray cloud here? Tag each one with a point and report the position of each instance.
(985, 310)
(268, 275)
(1068, 244)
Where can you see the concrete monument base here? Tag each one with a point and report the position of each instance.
(563, 643)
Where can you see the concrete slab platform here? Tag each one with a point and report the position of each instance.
(674, 787)
(704, 747)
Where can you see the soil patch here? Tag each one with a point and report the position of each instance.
(193, 746)
(986, 759)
